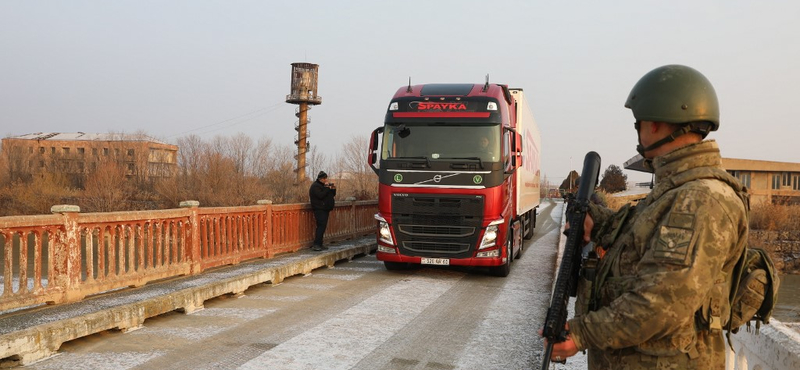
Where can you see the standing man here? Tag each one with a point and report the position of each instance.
(321, 195)
(659, 298)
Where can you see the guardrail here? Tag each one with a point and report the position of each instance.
(776, 346)
(67, 256)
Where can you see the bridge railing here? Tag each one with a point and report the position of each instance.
(67, 256)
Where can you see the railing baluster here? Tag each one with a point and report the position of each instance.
(8, 271)
(89, 252)
(37, 261)
(23, 263)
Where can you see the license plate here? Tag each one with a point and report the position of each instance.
(436, 261)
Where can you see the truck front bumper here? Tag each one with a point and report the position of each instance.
(472, 261)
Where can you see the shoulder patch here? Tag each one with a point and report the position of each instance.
(673, 245)
(674, 237)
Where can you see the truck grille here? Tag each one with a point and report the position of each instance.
(432, 225)
(425, 230)
(422, 247)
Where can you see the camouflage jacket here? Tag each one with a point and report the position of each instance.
(669, 257)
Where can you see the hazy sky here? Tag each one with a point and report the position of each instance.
(174, 68)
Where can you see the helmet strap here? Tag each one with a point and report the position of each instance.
(684, 129)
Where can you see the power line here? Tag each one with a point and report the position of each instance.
(247, 117)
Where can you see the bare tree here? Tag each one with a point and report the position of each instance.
(107, 189)
(37, 196)
(317, 161)
(361, 181)
(262, 161)
(191, 148)
(240, 148)
(280, 181)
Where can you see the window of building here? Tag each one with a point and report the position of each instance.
(65, 150)
(743, 176)
(41, 150)
(786, 179)
(41, 164)
(30, 149)
(796, 182)
(130, 168)
(116, 152)
(52, 150)
(94, 152)
(130, 152)
(80, 151)
(776, 181)
(105, 151)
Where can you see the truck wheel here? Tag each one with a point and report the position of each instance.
(394, 266)
(504, 269)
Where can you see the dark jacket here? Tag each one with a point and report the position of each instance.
(321, 196)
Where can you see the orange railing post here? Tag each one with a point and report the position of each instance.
(67, 255)
(193, 247)
(266, 228)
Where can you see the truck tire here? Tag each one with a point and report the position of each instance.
(395, 266)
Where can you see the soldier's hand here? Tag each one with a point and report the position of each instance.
(562, 350)
(588, 224)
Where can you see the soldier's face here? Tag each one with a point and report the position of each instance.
(649, 132)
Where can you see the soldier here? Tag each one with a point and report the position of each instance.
(659, 298)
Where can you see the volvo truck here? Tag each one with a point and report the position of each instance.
(458, 169)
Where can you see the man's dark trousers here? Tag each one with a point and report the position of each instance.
(322, 222)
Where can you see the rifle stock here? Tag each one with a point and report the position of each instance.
(569, 269)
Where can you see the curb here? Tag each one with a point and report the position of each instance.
(35, 334)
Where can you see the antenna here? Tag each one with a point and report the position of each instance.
(486, 86)
(409, 90)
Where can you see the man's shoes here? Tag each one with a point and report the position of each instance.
(317, 248)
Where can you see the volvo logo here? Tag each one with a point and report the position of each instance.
(437, 178)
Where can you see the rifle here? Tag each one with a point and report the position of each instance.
(567, 277)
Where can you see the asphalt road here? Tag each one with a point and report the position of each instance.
(356, 315)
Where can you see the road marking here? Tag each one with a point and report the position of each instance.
(342, 341)
(238, 313)
(94, 360)
(333, 276)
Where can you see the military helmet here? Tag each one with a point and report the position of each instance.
(674, 94)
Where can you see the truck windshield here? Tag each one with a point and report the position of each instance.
(435, 141)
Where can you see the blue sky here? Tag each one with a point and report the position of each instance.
(173, 68)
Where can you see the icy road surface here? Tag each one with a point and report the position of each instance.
(356, 315)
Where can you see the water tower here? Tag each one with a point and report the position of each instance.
(304, 94)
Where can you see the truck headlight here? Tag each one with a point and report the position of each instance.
(490, 235)
(384, 231)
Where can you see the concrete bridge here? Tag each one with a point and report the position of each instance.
(52, 263)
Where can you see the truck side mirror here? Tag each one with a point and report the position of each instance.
(372, 157)
(518, 150)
